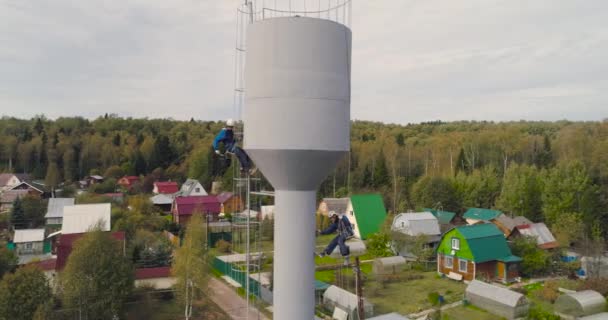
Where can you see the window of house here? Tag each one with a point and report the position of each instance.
(455, 243)
(462, 265)
(197, 189)
(402, 224)
(449, 262)
(28, 246)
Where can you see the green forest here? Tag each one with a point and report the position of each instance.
(556, 172)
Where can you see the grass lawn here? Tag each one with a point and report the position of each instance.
(171, 310)
(409, 296)
(467, 313)
(329, 276)
(534, 292)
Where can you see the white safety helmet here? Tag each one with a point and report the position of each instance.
(229, 123)
(332, 214)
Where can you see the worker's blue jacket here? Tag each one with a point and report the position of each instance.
(226, 137)
(342, 225)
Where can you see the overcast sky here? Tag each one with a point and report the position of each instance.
(413, 60)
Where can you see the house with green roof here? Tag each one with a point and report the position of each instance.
(443, 217)
(477, 215)
(366, 212)
(477, 251)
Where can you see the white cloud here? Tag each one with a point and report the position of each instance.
(412, 60)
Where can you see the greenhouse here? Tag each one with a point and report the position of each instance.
(389, 265)
(497, 300)
(579, 304)
(335, 297)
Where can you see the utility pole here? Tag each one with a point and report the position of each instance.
(360, 304)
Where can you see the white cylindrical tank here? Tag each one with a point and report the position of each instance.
(297, 127)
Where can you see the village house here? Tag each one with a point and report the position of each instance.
(505, 223)
(54, 211)
(162, 201)
(445, 218)
(33, 188)
(544, 237)
(65, 244)
(7, 198)
(366, 213)
(230, 203)
(127, 182)
(184, 207)
(9, 180)
(191, 187)
(82, 218)
(165, 187)
(158, 278)
(479, 215)
(420, 224)
(29, 241)
(477, 252)
(337, 205)
(90, 180)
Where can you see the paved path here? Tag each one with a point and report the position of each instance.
(226, 298)
(423, 314)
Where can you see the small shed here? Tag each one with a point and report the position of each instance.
(388, 265)
(581, 303)
(162, 201)
(335, 297)
(29, 241)
(497, 300)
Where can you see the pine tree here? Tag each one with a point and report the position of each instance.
(381, 176)
(18, 215)
(116, 140)
(139, 163)
(53, 176)
(400, 139)
(38, 127)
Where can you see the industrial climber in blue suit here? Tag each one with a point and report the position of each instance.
(226, 137)
(340, 224)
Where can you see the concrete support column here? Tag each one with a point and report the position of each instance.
(294, 247)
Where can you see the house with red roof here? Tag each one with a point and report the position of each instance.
(166, 187)
(65, 244)
(184, 207)
(159, 278)
(230, 202)
(127, 182)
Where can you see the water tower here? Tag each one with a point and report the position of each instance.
(296, 128)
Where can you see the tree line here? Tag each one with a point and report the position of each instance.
(547, 171)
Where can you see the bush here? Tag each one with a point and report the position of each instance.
(549, 291)
(537, 313)
(223, 246)
(597, 284)
(433, 298)
(378, 245)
